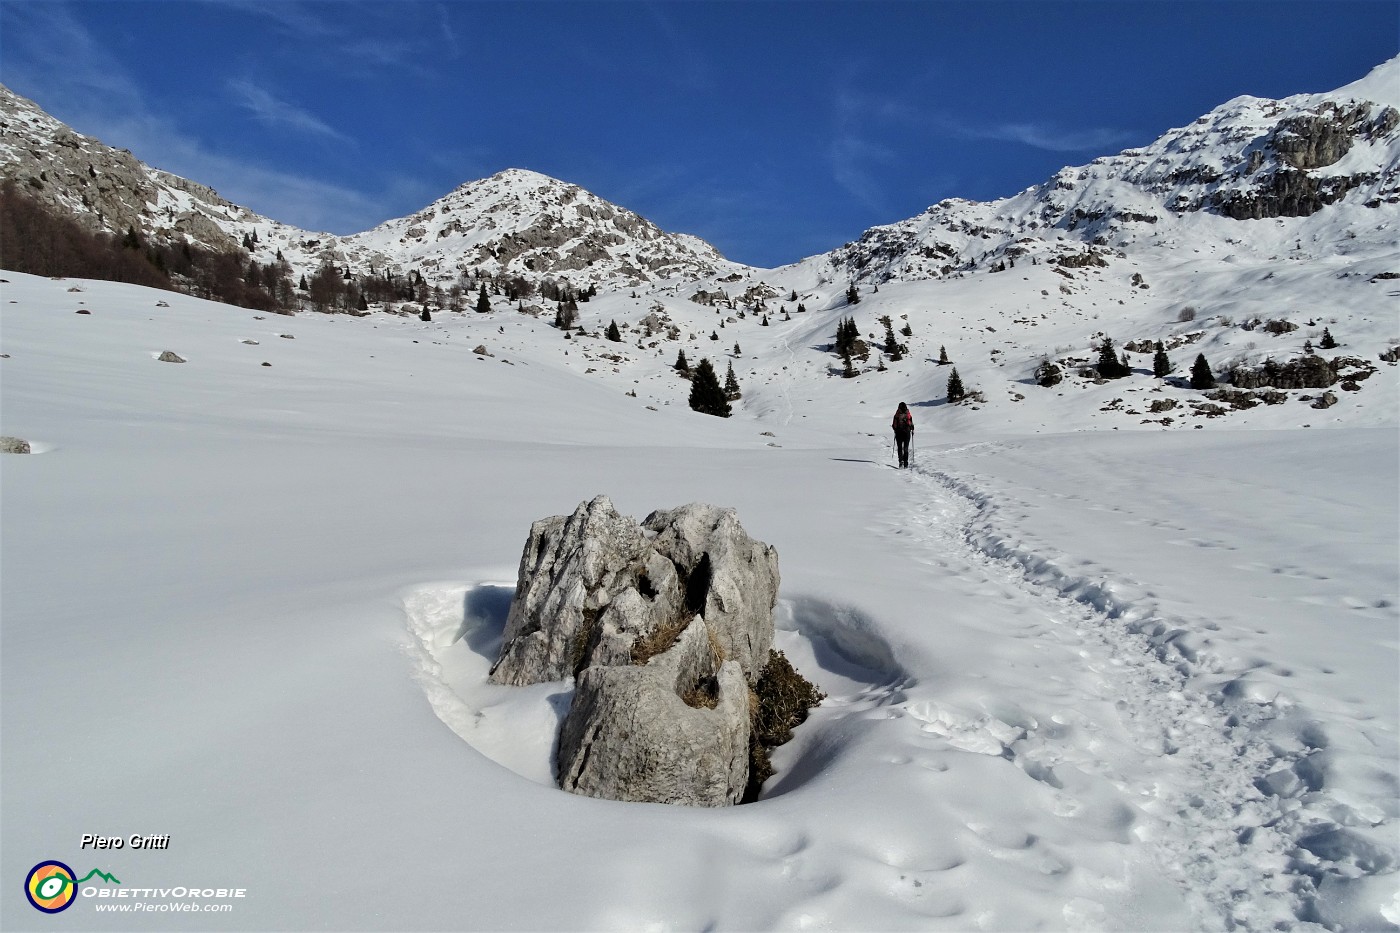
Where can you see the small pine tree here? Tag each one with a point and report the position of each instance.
(731, 385)
(801, 308)
(1201, 376)
(764, 322)
(848, 368)
(1308, 347)
(714, 336)
(852, 295)
(736, 349)
(613, 333)
(681, 365)
(483, 303)
(956, 392)
(1161, 365)
(1327, 343)
(906, 330)
(942, 356)
(706, 396)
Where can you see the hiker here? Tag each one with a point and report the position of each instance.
(903, 425)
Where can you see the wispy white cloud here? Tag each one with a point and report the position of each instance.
(855, 153)
(449, 35)
(90, 89)
(279, 113)
(1043, 136)
(872, 132)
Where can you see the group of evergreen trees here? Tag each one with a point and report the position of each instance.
(1113, 366)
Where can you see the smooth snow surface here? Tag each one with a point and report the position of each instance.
(1086, 678)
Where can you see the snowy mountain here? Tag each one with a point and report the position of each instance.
(1326, 165)
(1116, 653)
(515, 223)
(522, 223)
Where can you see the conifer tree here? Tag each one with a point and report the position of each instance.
(956, 392)
(731, 385)
(801, 308)
(483, 303)
(1109, 366)
(852, 295)
(1161, 365)
(706, 395)
(613, 333)
(1201, 376)
(681, 365)
(736, 349)
(848, 369)
(942, 356)
(1327, 343)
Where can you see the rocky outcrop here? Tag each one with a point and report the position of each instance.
(14, 445)
(674, 730)
(1306, 372)
(666, 627)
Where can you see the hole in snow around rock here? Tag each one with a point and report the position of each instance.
(457, 629)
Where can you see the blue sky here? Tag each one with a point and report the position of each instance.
(773, 130)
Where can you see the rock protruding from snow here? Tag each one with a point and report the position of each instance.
(674, 730)
(14, 445)
(666, 626)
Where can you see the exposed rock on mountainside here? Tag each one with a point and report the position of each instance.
(521, 223)
(666, 626)
(515, 223)
(1248, 159)
(105, 188)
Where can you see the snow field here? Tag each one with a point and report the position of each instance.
(258, 604)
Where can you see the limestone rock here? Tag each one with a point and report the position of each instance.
(666, 626)
(169, 356)
(14, 445)
(595, 587)
(674, 730)
(1306, 372)
(732, 580)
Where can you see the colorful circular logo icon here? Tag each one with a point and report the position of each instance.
(51, 887)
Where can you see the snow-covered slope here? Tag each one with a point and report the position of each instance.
(1111, 681)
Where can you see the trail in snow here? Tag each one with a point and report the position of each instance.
(1200, 764)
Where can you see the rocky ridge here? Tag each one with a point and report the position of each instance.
(1249, 159)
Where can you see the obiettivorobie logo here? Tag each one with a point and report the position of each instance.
(52, 886)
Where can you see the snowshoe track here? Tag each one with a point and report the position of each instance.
(1224, 825)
